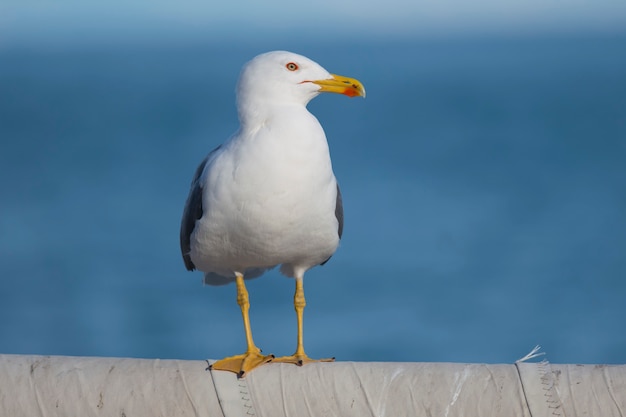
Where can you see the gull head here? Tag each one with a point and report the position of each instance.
(281, 77)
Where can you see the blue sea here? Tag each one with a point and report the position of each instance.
(484, 187)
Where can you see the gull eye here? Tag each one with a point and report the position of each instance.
(292, 66)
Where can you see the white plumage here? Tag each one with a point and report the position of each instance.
(268, 195)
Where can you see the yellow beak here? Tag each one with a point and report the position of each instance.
(341, 85)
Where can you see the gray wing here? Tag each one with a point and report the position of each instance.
(339, 216)
(339, 212)
(193, 211)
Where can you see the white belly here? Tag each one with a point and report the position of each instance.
(266, 204)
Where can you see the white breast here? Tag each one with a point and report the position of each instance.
(269, 198)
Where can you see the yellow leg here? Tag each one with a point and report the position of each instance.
(300, 357)
(242, 364)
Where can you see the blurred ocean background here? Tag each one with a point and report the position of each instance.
(484, 185)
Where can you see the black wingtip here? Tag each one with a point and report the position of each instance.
(188, 263)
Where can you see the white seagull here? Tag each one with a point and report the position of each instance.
(268, 195)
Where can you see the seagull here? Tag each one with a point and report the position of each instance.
(268, 195)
